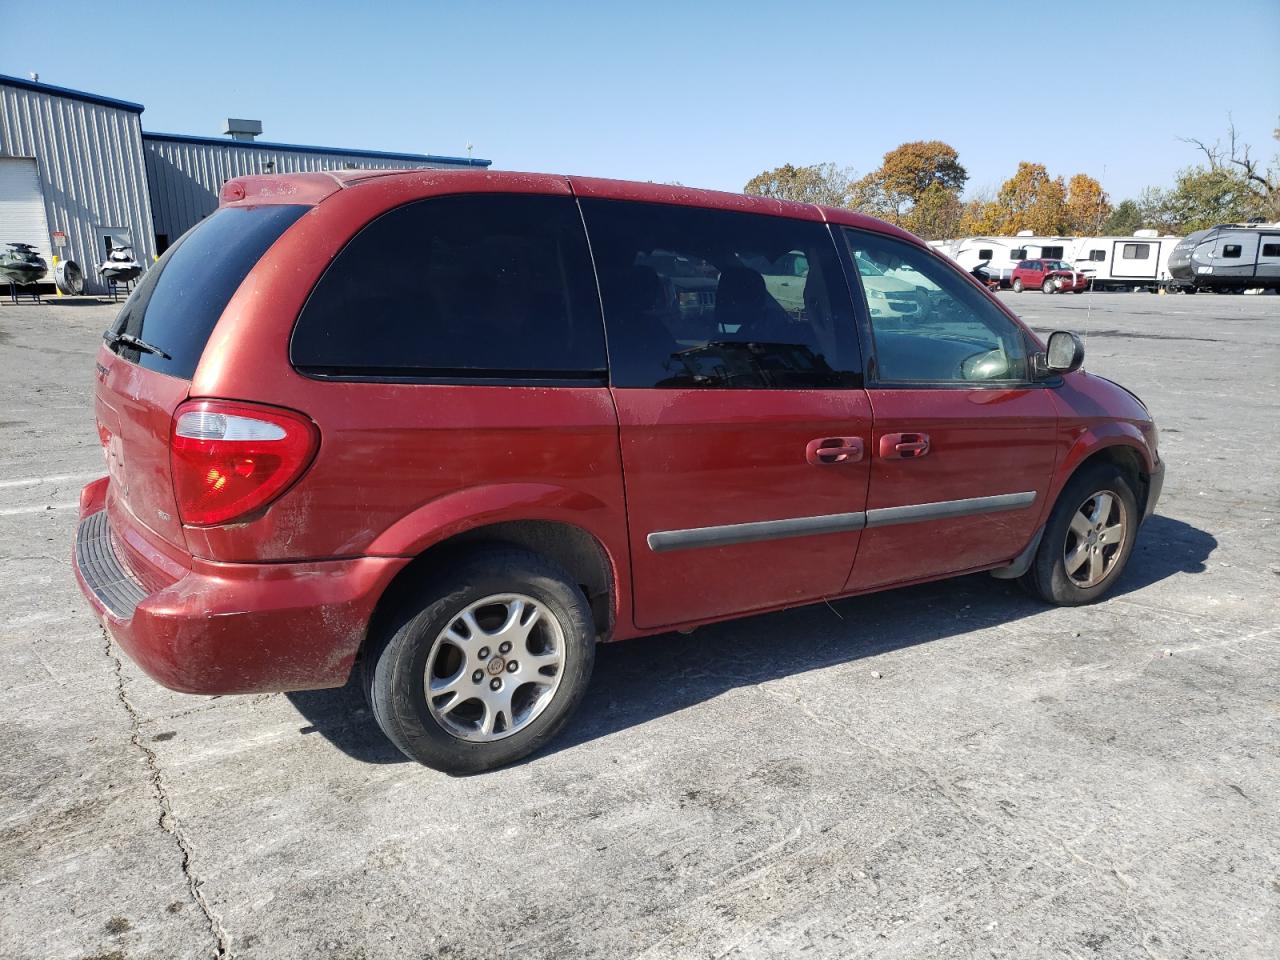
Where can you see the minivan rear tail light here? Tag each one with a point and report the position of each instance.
(231, 459)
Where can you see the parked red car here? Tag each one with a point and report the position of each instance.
(1051, 276)
(451, 428)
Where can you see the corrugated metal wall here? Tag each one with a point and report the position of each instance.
(186, 176)
(91, 167)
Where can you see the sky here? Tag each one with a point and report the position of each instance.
(705, 94)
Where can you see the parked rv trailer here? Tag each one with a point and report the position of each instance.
(1005, 253)
(1228, 258)
(1118, 263)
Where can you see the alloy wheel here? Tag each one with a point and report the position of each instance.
(1095, 539)
(494, 669)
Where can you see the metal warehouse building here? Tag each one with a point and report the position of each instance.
(72, 163)
(77, 168)
(186, 173)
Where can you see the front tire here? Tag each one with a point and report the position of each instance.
(1048, 287)
(1087, 540)
(486, 666)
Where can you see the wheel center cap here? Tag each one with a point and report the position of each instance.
(495, 666)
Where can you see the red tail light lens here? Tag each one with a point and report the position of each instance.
(233, 459)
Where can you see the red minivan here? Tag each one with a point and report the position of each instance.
(452, 428)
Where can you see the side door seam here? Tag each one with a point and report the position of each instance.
(617, 419)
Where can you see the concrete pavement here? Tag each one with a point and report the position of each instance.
(1018, 781)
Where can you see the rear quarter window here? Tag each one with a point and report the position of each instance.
(178, 301)
(487, 287)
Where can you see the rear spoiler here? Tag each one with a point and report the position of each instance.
(304, 188)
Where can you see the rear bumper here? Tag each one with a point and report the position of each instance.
(232, 627)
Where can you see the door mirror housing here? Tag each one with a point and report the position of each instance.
(1065, 353)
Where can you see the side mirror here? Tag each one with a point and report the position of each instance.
(1065, 353)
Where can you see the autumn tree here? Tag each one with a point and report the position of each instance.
(935, 214)
(1032, 200)
(917, 186)
(823, 183)
(1087, 207)
(914, 167)
(868, 195)
(980, 216)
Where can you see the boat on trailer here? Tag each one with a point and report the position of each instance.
(21, 264)
(120, 266)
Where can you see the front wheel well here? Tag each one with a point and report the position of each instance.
(1130, 463)
(577, 551)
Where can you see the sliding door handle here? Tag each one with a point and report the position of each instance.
(903, 446)
(828, 451)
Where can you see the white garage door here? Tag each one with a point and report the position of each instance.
(22, 218)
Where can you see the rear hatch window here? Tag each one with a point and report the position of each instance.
(178, 301)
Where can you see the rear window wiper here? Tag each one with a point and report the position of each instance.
(137, 343)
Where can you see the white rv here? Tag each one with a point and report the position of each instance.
(1113, 263)
(1004, 253)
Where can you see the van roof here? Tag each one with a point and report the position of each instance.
(312, 188)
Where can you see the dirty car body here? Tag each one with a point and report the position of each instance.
(296, 457)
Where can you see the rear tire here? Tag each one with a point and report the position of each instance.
(1017, 285)
(1087, 540)
(486, 665)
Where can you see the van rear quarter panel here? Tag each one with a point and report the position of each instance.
(401, 466)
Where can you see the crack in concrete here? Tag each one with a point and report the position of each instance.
(168, 821)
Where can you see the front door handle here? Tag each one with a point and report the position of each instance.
(903, 446)
(826, 451)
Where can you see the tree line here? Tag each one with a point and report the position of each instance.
(919, 187)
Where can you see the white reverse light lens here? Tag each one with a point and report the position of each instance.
(198, 425)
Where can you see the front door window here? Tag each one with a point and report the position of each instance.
(929, 324)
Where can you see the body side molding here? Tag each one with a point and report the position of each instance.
(723, 536)
(728, 534)
(916, 512)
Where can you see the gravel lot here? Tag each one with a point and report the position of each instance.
(945, 771)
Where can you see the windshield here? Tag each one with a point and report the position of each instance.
(1056, 265)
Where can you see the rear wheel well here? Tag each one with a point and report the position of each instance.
(577, 551)
(1129, 462)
